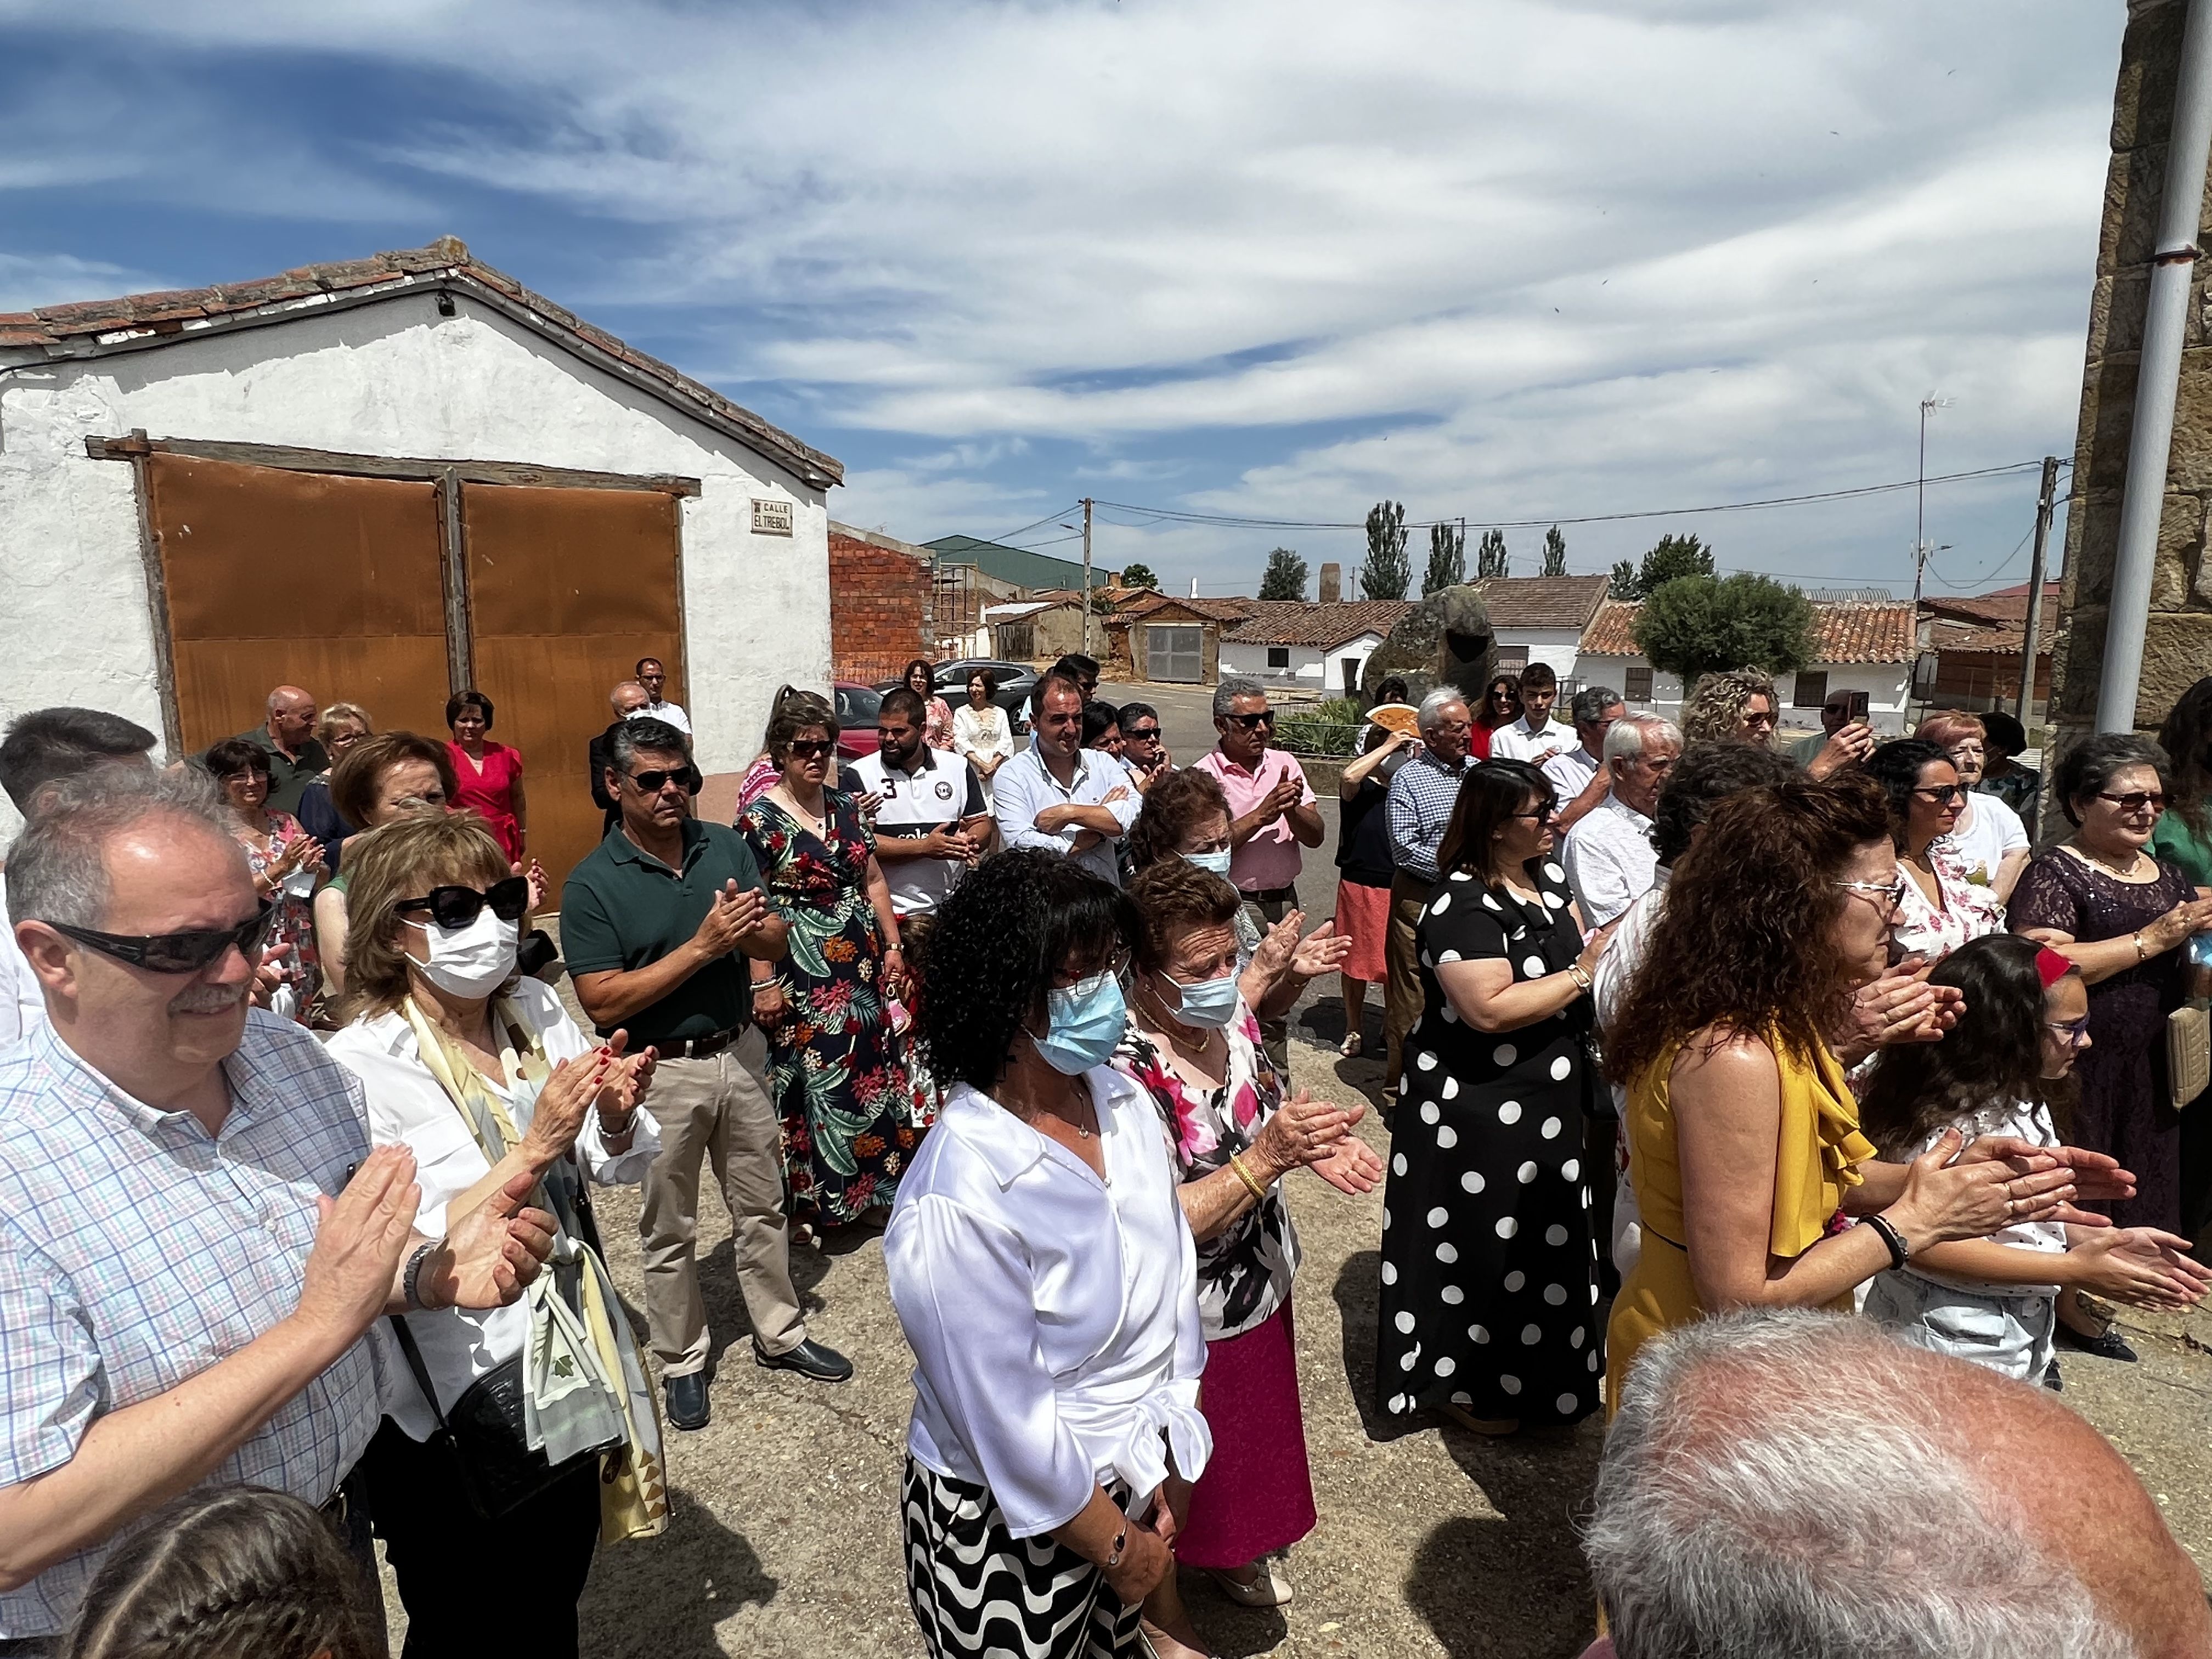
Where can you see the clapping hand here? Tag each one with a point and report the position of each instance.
(1352, 1166)
(359, 1241)
(539, 880)
(2096, 1175)
(2140, 1266)
(735, 915)
(491, 1254)
(1901, 1007)
(1320, 951)
(1302, 1130)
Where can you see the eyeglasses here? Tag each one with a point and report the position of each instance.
(261, 771)
(1758, 719)
(177, 953)
(2071, 1032)
(456, 907)
(1539, 814)
(685, 778)
(1251, 722)
(1942, 794)
(810, 747)
(1889, 895)
(1142, 732)
(2136, 802)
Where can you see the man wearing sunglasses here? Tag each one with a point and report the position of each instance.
(657, 924)
(1272, 814)
(1144, 750)
(196, 1234)
(1060, 797)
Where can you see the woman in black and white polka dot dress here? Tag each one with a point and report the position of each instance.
(1489, 1274)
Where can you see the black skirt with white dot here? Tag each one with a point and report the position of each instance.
(1489, 1272)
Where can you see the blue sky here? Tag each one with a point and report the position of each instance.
(1508, 261)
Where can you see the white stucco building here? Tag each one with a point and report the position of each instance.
(1859, 646)
(1322, 648)
(385, 479)
(1542, 619)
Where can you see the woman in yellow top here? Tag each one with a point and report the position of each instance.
(1743, 1138)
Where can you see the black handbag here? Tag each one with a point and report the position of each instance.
(486, 1430)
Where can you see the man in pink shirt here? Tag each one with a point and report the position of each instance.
(1272, 815)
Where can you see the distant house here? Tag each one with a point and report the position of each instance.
(1159, 638)
(1323, 646)
(1542, 619)
(1976, 641)
(1017, 567)
(1858, 646)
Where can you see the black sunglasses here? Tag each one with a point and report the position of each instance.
(685, 778)
(811, 748)
(1137, 734)
(177, 953)
(456, 907)
(1250, 722)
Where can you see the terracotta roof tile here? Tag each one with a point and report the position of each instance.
(1295, 621)
(1844, 633)
(1541, 601)
(72, 327)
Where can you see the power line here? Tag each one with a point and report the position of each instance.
(1158, 515)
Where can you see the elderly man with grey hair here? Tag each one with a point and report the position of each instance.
(1579, 774)
(1272, 814)
(195, 1236)
(1421, 802)
(1608, 855)
(1795, 1483)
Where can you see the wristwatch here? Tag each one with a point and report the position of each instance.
(1121, 1543)
(412, 1281)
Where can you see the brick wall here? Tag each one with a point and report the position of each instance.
(878, 600)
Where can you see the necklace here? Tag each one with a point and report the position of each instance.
(2124, 872)
(790, 802)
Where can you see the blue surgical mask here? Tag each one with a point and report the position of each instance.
(1211, 1003)
(1086, 1021)
(1214, 864)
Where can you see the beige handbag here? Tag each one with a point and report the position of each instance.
(2188, 1054)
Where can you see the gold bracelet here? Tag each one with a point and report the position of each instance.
(2142, 954)
(1575, 972)
(1258, 1192)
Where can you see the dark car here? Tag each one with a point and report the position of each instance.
(856, 706)
(1013, 681)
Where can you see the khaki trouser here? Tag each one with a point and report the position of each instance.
(718, 1108)
(1401, 986)
(1275, 1032)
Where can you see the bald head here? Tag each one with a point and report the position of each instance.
(1797, 1482)
(291, 716)
(627, 698)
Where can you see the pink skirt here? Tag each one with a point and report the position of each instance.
(1256, 1494)
(1363, 915)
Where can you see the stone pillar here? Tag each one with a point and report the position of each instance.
(1331, 584)
(2178, 643)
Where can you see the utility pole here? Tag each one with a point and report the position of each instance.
(1929, 404)
(1086, 576)
(2030, 638)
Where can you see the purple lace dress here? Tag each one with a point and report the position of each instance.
(2123, 1109)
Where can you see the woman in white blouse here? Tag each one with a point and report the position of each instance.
(490, 1083)
(980, 730)
(1046, 1280)
(1989, 838)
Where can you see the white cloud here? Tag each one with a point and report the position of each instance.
(1511, 257)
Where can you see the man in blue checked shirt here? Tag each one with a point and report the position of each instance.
(189, 1261)
(1422, 795)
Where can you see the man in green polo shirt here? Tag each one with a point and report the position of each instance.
(288, 737)
(653, 924)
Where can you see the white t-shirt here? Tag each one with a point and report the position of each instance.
(1985, 832)
(672, 712)
(938, 795)
(1522, 741)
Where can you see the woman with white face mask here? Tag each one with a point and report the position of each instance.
(1236, 1132)
(515, 1439)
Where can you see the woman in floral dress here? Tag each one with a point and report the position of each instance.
(852, 1104)
(287, 863)
(1939, 907)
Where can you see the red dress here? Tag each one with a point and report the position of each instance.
(489, 791)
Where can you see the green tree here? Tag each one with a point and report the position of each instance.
(1673, 556)
(1623, 585)
(1696, 625)
(1141, 575)
(1555, 552)
(1490, 555)
(1388, 573)
(1447, 558)
(1284, 577)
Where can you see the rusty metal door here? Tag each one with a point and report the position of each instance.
(275, 577)
(567, 589)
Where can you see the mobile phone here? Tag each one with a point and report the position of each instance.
(1858, 708)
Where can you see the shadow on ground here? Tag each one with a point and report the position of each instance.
(702, 1573)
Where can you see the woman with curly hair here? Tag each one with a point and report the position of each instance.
(852, 1107)
(1737, 705)
(1773, 916)
(1939, 907)
(1046, 1280)
(1999, 1071)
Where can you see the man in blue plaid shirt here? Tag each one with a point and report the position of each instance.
(189, 1261)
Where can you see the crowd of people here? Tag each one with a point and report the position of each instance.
(1739, 1038)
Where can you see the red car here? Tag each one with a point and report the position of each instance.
(856, 705)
